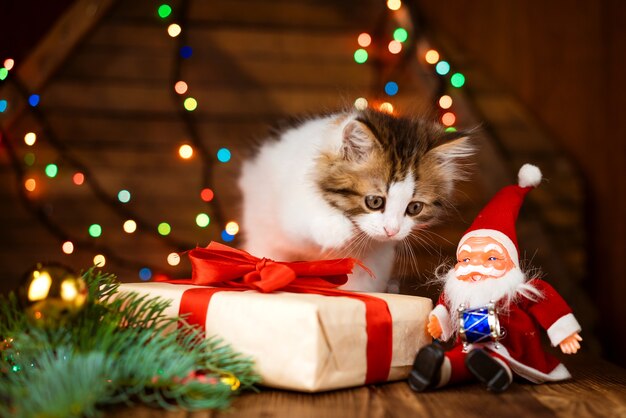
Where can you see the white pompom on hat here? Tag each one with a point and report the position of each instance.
(529, 176)
(498, 217)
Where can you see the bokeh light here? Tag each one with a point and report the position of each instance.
(3, 105)
(207, 195)
(95, 230)
(164, 228)
(130, 226)
(450, 129)
(68, 247)
(9, 63)
(33, 100)
(4, 72)
(29, 159)
(445, 102)
(364, 40)
(99, 260)
(448, 119)
(174, 30)
(226, 237)
(391, 88)
(400, 35)
(164, 11)
(180, 87)
(186, 52)
(30, 139)
(173, 259)
(431, 56)
(386, 107)
(52, 170)
(145, 274)
(232, 228)
(190, 104)
(30, 184)
(124, 196)
(457, 80)
(361, 103)
(360, 56)
(185, 151)
(442, 68)
(395, 47)
(223, 155)
(78, 178)
(203, 220)
(394, 4)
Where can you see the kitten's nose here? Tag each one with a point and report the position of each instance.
(391, 231)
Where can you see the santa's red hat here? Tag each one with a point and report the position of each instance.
(498, 217)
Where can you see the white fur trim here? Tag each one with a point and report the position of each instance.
(563, 328)
(498, 236)
(560, 372)
(529, 176)
(442, 314)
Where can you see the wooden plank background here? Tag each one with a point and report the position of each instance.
(565, 63)
(110, 108)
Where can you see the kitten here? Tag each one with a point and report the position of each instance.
(351, 184)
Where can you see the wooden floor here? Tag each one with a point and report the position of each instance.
(597, 390)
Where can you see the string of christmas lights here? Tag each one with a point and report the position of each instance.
(29, 184)
(26, 176)
(69, 244)
(395, 45)
(392, 51)
(189, 104)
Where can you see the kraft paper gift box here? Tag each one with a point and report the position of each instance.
(305, 342)
(302, 332)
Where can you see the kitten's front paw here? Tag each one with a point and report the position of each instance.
(330, 232)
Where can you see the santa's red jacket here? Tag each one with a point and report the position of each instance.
(521, 344)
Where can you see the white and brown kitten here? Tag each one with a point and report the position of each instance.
(351, 184)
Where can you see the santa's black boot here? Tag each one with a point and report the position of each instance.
(488, 370)
(426, 370)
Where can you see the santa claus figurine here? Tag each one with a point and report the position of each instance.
(493, 310)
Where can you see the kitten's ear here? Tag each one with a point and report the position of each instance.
(449, 159)
(358, 141)
(451, 136)
(454, 146)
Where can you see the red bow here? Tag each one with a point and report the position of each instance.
(223, 266)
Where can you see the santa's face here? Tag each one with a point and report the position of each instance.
(481, 258)
(484, 272)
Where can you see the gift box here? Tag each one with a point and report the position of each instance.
(306, 336)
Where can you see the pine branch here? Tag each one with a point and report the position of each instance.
(63, 384)
(11, 316)
(120, 348)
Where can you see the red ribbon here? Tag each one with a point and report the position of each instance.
(229, 269)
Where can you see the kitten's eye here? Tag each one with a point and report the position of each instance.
(374, 202)
(414, 208)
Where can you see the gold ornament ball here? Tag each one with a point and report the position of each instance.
(51, 293)
(230, 380)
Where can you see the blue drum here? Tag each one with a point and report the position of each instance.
(479, 325)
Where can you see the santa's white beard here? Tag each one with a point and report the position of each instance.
(472, 294)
